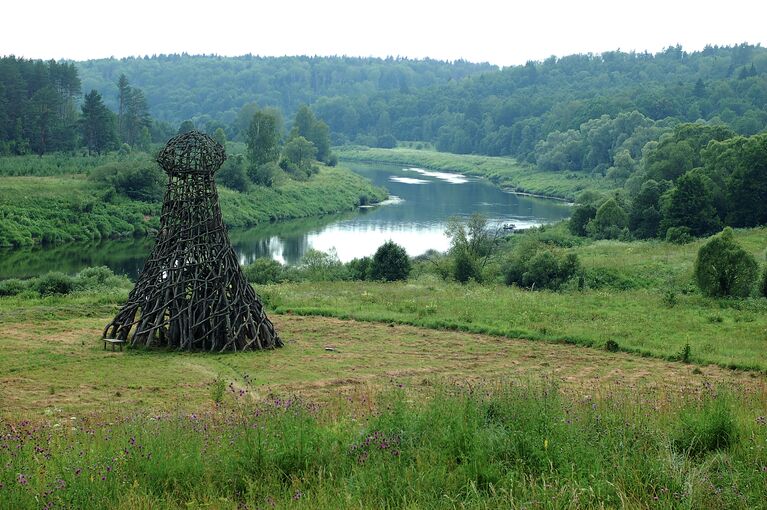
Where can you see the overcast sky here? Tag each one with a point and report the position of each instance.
(500, 32)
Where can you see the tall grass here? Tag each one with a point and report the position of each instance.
(58, 164)
(505, 445)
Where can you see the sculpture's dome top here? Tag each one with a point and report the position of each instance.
(191, 153)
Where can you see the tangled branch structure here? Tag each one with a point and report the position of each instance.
(192, 293)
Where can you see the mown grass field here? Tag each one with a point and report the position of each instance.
(503, 171)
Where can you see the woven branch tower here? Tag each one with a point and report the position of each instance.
(192, 293)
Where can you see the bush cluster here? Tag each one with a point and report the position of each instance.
(389, 263)
(56, 283)
(536, 266)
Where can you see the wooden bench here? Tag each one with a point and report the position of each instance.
(113, 341)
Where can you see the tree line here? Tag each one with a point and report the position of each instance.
(42, 110)
(694, 180)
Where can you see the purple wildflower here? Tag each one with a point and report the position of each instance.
(22, 479)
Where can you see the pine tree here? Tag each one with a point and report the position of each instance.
(97, 124)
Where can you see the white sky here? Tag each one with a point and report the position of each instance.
(500, 32)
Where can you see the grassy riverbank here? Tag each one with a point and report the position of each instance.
(63, 208)
(505, 172)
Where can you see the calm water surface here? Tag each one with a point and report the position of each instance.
(415, 217)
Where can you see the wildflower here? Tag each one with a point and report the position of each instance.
(297, 495)
(22, 479)
(78, 471)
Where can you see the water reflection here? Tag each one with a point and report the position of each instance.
(415, 217)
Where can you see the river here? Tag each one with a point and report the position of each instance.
(415, 216)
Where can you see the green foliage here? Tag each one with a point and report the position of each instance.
(233, 174)
(582, 215)
(390, 262)
(298, 156)
(680, 151)
(217, 390)
(723, 268)
(747, 179)
(46, 210)
(138, 178)
(56, 283)
(220, 136)
(644, 216)
(314, 130)
(535, 266)
(318, 266)
(679, 235)
(690, 204)
(263, 270)
(708, 428)
(12, 287)
(359, 269)
(97, 124)
(263, 137)
(472, 245)
(185, 127)
(610, 221)
(763, 283)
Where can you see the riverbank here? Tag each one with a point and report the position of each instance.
(56, 209)
(506, 173)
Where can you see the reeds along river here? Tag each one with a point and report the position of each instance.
(420, 204)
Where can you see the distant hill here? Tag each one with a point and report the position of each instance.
(460, 106)
(211, 89)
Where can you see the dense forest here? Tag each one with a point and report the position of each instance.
(546, 112)
(211, 90)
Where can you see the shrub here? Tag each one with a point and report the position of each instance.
(610, 221)
(264, 175)
(723, 268)
(359, 269)
(94, 278)
(233, 174)
(54, 283)
(582, 215)
(12, 287)
(138, 178)
(706, 429)
(390, 263)
(320, 266)
(679, 235)
(464, 267)
(538, 267)
(763, 283)
(386, 142)
(263, 270)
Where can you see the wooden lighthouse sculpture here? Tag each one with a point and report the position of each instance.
(192, 293)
